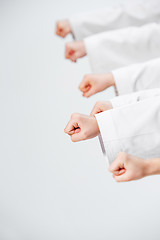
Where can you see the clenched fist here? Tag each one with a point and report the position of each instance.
(101, 106)
(63, 28)
(94, 83)
(82, 127)
(75, 50)
(128, 168)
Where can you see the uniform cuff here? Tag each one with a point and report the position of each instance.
(118, 102)
(122, 82)
(91, 46)
(108, 138)
(74, 23)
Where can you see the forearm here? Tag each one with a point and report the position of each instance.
(152, 166)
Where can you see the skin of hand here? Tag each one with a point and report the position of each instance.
(82, 127)
(94, 83)
(63, 28)
(101, 106)
(128, 168)
(75, 50)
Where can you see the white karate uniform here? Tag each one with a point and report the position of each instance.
(132, 126)
(122, 16)
(137, 77)
(130, 34)
(113, 49)
(119, 48)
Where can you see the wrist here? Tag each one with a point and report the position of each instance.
(111, 80)
(96, 125)
(152, 167)
(84, 48)
(69, 29)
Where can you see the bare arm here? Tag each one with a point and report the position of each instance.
(128, 168)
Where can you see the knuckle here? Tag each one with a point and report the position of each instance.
(110, 169)
(74, 115)
(126, 158)
(67, 45)
(98, 103)
(80, 87)
(122, 155)
(59, 25)
(86, 76)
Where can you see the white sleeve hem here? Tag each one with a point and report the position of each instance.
(109, 139)
(76, 34)
(123, 86)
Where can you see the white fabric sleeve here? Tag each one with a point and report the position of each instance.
(114, 49)
(137, 77)
(128, 99)
(134, 129)
(116, 17)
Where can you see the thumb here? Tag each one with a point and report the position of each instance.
(122, 178)
(84, 85)
(116, 165)
(69, 51)
(71, 127)
(75, 55)
(119, 172)
(77, 136)
(89, 93)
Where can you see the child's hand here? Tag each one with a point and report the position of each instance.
(94, 83)
(63, 28)
(75, 50)
(128, 168)
(101, 107)
(82, 127)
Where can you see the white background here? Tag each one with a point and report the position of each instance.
(51, 188)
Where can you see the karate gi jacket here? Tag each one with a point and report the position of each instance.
(126, 34)
(132, 126)
(116, 17)
(132, 35)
